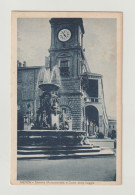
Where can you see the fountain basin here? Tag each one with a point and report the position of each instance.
(49, 87)
(50, 137)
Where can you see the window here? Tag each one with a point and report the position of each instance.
(64, 68)
(64, 63)
(92, 89)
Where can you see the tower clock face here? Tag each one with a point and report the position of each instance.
(64, 35)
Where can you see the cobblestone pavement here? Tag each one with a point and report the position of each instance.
(87, 169)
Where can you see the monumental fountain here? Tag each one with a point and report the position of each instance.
(51, 126)
(50, 136)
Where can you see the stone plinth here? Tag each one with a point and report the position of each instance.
(50, 137)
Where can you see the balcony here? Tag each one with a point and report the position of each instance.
(93, 100)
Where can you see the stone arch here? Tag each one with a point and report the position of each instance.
(67, 102)
(97, 106)
(92, 119)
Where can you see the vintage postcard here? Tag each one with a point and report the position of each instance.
(66, 87)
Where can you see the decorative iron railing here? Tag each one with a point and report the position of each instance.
(93, 99)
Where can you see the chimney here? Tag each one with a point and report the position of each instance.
(20, 64)
(24, 63)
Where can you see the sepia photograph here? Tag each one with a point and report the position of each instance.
(66, 98)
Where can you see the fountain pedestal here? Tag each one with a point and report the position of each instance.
(49, 110)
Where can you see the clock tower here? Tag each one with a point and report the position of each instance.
(66, 51)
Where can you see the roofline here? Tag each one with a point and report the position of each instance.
(30, 67)
(68, 20)
(92, 74)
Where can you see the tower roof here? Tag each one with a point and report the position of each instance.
(68, 20)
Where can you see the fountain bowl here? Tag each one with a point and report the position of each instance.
(48, 87)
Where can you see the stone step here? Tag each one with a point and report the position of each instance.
(62, 156)
(58, 147)
(57, 151)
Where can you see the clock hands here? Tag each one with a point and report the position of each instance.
(64, 34)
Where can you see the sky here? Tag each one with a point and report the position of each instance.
(34, 38)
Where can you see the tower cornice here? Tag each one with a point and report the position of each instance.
(65, 48)
(79, 21)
